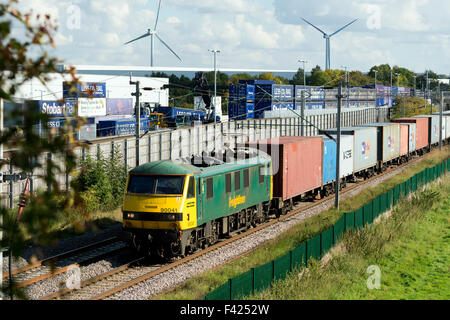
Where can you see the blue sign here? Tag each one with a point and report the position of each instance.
(56, 109)
(85, 90)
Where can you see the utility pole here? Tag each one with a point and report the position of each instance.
(302, 111)
(415, 85)
(1, 216)
(137, 113)
(376, 92)
(137, 94)
(338, 145)
(302, 114)
(440, 120)
(215, 82)
(390, 93)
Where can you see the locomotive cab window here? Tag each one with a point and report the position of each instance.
(261, 171)
(209, 188)
(237, 180)
(228, 183)
(191, 188)
(246, 178)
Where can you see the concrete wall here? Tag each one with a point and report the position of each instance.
(174, 144)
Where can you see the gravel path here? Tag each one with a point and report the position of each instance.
(63, 245)
(180, 274)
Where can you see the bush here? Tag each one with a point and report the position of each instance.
(100, 183)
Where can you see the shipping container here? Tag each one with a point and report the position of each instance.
(119, 106)
(433, 128)
(242, 93)
(296, 164)
(310, 105)
(364, 146)
(329, 158)
(421, 130)
(404, 139)
(408, 138)
(120, 127)
(388, 140)
(261, 108)
(273, 93)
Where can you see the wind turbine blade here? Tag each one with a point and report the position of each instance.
(313, 26)
(343, 28)
(143, 36)
(157, 15)
(167, 46)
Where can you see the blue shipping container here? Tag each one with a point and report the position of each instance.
(329, 160)
(171, 113)
(119, 106)
(120, 127)
(259, 113)
(273, 93)
(242, 93)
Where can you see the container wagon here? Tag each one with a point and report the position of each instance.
(329, 163)
(421, 132)
(364, 147)
(388, 142)
(433, 128)
(296, 168)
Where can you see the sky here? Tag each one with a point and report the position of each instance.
(262, 34)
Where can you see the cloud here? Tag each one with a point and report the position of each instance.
(255, 33)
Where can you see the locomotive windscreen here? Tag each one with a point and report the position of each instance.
(141, 184)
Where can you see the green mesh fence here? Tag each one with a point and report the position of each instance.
(359, 219)
(313, 248)
(260, 278)
(242, 285)
(221, 293)
(339, 228)
(349, 220)
(376, 207)
(282, 266)
(263, 276)
(299, 257)
(326, 241)
(367, 213)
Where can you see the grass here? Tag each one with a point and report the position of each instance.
(411, 249)
(199, 286)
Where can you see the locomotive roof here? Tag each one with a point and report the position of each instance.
(169, 167)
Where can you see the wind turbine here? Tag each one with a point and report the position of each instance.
(327, 41)
(153, 33)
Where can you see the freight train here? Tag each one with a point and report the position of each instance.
(173, 208)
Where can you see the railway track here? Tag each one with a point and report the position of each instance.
(131, 274)
(63, 262)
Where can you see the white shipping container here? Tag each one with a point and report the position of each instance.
(347, 154)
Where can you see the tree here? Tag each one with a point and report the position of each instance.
(317, 77)
(22, 61)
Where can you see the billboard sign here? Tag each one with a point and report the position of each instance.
(85, 90)
(54, 109)
(91, 107)
(119, 106)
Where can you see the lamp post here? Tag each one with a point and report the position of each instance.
(215, 52)
(415, 85)
(376, 92)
